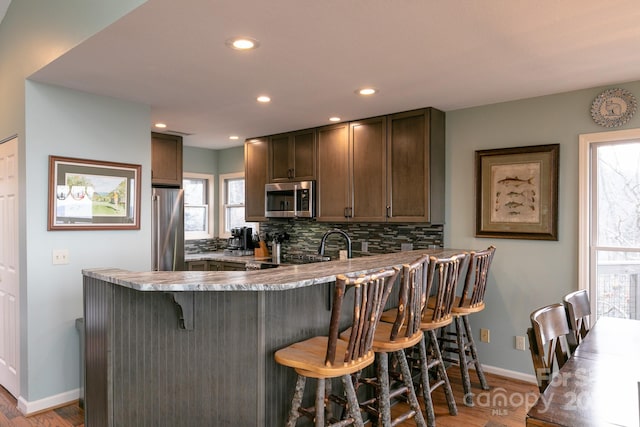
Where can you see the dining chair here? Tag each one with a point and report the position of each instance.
(327, 357)
(578, 311)
(547, 342)
(392, 339)
(471, 300)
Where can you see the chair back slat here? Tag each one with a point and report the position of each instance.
(370, 295)
(443, 273)
(578, 311)
(476, 279)
(411, 298)
(549, 330)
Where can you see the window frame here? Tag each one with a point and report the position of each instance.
(222, 216)
(196, 235)
(586, 248)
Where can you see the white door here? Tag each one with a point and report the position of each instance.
(9, 293)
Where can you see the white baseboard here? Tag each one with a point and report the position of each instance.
(529, 378)
(28, 408)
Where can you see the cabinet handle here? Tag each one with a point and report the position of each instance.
(388, 211)
(346, 212)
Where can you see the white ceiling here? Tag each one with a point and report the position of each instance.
(315, 53)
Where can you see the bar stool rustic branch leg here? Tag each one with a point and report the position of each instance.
(474, 354)
(462, 354)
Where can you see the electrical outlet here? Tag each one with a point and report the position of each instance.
(406, 246)
(60, 256)
(520, 342)
(364, 247)
(484, 335)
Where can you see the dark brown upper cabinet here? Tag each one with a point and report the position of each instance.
(382, 169)
(292, 156)
(415, 164)
(352, 171)
(166, 160)
(255, 178)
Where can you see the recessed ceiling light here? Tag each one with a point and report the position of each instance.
(263, 99)
(334, 119)
(234, 137)
(242, 43)
(160, 125)
(366, 91)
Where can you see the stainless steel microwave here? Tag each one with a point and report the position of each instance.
(289, 200)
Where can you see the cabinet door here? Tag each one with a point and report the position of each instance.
(233, 266)
(255, 175)
(333, 184)
(415, 150)
(292, 156)
(198, 265)
(369, 169)
(166, 159)
(408, 161)
(303, 147)
(279, 158)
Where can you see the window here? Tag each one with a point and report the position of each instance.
(198, 215)
(232, 204)
(609, 252)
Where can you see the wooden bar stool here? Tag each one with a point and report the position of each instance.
(325, 358)
(443, 273)
(470, 301)
(393, 339)
(578, 311)
(549, 327)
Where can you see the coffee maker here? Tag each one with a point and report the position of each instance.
(241, 240)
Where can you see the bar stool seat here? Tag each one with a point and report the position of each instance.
(327, 357)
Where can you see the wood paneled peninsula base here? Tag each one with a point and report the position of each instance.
(196, 348)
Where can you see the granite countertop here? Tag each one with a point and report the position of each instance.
(221, 256)
(273, 279)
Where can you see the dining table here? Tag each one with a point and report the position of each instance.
(599, 385)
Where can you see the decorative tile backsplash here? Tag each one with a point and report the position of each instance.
(304, 236)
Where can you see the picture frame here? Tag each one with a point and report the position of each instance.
(517, 192)
(93, 195)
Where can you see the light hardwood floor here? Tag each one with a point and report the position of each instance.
(505, 405)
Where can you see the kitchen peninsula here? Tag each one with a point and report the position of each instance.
(195, 348)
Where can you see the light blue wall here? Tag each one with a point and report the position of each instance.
(32, 34)
(526, 274)
(214, 162)
(231, 160)
(74, 124)
(200, 160)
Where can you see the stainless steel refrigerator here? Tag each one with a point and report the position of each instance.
(168, 229)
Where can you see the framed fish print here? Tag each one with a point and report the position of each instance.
(517, 192)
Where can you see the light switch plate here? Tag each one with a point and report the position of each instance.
(60, 256)
(406, 246)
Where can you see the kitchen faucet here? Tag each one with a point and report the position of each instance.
(335, 231)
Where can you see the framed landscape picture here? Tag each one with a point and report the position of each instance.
(517, 192)
(93, 195)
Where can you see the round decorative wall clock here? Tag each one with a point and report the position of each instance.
(613, 107)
